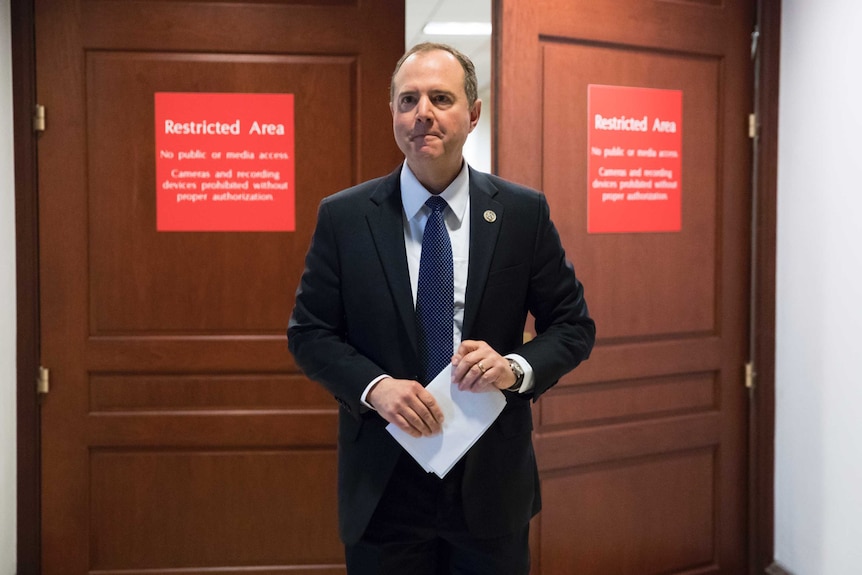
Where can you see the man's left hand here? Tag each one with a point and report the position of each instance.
(477, 367)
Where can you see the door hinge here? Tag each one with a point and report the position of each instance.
(752, 126)
(43, 383)
(39, 118)
(755, 42)
(749, 375)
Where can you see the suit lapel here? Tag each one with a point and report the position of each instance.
(387, 228)
(486, 218)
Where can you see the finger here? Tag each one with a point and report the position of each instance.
(481, 366)
(408, 419)
(405, 426)
(429, 411)
(467, 346)
(430, 403)
(486, 380)
(482, 384)
(417, 416)
(471, 377)
(468, 364)
(481, 359)
(459, 371)
(473, 352)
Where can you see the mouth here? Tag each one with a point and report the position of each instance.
(423, 135)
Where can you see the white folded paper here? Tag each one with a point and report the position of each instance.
(466, 416)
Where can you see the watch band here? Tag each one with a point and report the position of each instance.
(519, 375)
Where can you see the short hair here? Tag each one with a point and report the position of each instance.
(471, 84)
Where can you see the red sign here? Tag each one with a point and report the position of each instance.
(635, 159)
(224, 162)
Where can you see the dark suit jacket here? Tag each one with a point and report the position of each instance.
(354, 320)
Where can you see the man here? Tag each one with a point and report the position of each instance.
(359, 330)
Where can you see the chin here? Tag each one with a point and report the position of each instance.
(424, 157)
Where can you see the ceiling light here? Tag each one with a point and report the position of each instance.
(457, 29)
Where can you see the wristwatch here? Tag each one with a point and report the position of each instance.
(519, 375)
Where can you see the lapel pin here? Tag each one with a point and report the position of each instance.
(490, 216)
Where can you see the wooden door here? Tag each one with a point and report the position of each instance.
(178, 436)
(642, 449)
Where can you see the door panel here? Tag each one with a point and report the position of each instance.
(178, 435)
(220, 494)
(658, 296)
(169, 282)
(641, 449)
(605, 500)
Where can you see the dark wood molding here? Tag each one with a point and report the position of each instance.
(762, 473)
(27, 285)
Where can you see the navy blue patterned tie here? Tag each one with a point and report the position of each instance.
(435, 296)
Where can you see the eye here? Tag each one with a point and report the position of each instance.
(442, 99)
(407, 100)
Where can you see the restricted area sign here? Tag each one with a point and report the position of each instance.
(224, 162)
(635, 159)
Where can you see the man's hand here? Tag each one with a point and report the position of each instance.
(408, 405)
(477, 367)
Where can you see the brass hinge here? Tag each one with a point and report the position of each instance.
(749, 375)
(752, 126)
(39, 118)
(43, 384)
(755, 42)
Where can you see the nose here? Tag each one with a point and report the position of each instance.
(424, 110)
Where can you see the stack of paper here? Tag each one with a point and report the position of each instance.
(466, 416)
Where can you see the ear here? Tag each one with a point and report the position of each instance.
(475, 112)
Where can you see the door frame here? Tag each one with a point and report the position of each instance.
(762, 417)
(23, 21)
(761, 478)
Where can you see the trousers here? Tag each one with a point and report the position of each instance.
(418, 528)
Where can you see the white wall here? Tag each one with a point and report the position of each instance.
(477, 149)
(818, 476)
(7, 303)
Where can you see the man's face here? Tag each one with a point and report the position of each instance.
(431, 117)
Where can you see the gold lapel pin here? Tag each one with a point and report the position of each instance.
(490, 216)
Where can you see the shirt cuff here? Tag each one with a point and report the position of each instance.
(368, 388)
(527, 382)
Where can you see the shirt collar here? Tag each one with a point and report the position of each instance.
(414, 194)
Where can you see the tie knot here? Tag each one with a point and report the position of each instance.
(436, 203)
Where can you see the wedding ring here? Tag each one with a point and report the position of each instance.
(481, 367)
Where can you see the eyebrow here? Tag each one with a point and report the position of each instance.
(433, 91)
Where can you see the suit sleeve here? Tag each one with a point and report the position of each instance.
(565, 331)
(316, 331)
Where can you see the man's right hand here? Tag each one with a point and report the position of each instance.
(408, 405)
